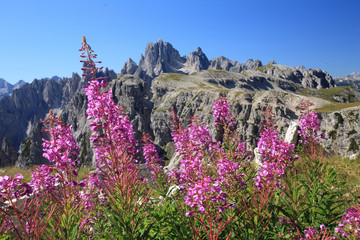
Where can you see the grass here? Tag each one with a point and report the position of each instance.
(348, 171)
(216, 70)
(12, 171)
(172, 76)
(337, 106)
(263, 68)
(328, 93)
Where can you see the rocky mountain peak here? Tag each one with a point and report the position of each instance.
(251, 64)
(196, 61)
(159, 57)
(129, 67)
(5, 88)
(19, 84)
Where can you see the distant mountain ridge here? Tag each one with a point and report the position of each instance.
(6, 88)
(349, 79)
(354, 75)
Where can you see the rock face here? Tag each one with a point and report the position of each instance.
(21, 112)
(8, 155)
(162, 57)
(28, 105)
(30, 152)
(342, 130)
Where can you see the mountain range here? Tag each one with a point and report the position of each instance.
(351, 78)
(7, 88)
(163, 80)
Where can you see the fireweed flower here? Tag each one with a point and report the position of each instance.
(223, 120)
(153, 162)
(312, 234)
(309, 124)
(193, 144)
(221, 113)
(350, 225)
(43, 180)
(201, 156)
(61, 149)
(12, 188)
(115, 148)
(276, 153)
(113, 132)
(203, 190)
(310, 131)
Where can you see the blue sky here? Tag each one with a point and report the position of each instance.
(41, 38)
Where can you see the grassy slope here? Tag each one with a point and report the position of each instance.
(344, 92)
(349, 172)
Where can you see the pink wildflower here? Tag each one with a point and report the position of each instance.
(62, 148)
(113, 132)
(153, 162)
(350, 225)
(276, 153)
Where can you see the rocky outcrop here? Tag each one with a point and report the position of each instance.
(313, 78)
(317, 78)
(292, 134)
(342, 130)
(27, 106)
(196, 96)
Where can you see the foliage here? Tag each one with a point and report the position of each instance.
(216, 193)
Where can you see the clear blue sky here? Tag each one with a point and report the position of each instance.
(41, 38)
